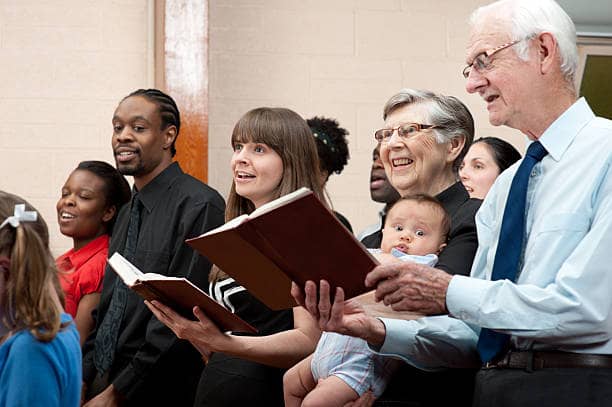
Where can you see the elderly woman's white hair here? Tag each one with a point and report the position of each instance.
(527, 19)
(449, 114)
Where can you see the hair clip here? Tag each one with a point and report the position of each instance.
(20, 215)
(325, 139)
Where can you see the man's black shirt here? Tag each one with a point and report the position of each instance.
(151, 364)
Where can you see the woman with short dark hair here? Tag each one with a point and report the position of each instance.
(86, 211)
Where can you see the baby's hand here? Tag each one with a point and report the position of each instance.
(386, 258)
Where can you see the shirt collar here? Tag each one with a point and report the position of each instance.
(561, 133)
(155, 190)
(79, 257)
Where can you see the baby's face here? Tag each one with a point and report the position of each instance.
(413, 228)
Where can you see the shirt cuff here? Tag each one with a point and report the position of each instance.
(126, 383)
(463, 297)
(398, 337)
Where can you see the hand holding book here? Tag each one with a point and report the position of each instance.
(293, 238)
(200, 333)
(178, 293)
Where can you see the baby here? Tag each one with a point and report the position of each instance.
(342, 367)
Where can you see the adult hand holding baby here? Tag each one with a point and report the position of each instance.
(344, 317)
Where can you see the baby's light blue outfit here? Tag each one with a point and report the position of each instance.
(351, 359)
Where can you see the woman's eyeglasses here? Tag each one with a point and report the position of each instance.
(405, 131)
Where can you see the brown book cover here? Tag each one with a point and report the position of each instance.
(293, 238)
(178, 293)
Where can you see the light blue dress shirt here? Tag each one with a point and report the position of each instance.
(563, 296)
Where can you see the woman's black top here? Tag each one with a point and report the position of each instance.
(232, 381)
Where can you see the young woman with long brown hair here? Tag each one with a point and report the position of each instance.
(274, 154)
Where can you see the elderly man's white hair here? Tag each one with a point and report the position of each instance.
(528, 18)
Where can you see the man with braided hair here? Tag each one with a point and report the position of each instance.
(131, 358)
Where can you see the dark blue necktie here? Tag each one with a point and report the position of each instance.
(108, 332)
(510, 246)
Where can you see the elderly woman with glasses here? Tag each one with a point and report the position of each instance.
(422, 145)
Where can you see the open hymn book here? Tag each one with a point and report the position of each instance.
(293, 238)
(178, 293)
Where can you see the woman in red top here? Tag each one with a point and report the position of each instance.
(91, 198)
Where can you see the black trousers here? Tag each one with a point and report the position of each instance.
(578, 387)
(230, 381)
(411, 387)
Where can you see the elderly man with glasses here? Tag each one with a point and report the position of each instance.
(536, 312)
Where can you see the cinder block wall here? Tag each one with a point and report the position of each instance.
(64, 66)
(66, 63)
(341, 58)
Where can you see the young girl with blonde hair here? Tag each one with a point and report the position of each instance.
(40, 356)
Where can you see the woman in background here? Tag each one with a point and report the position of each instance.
(40, 356)
(332, 148)
(86, 211)
(485, 160)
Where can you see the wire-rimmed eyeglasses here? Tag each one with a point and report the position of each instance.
(405, 131)
(483, 61)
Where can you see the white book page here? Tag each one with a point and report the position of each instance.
(130, 274)
(229, 225)
(126, 270)
(279, 202)
(259, 211)
(155, 276)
